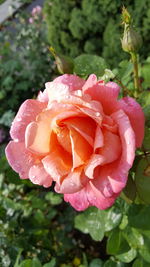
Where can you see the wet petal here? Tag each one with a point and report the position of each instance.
(37, 137)
(59, 162)
(43, 96)
(63, 85)
(84, 126)
(78, 200)
(106, 94)
(99, 138)
(38, 175)
(19, 158)
(72, 183)
(136, 116)
(96, 198)
(27, 113)
(74, 82)
(112, 147)
(81, 150)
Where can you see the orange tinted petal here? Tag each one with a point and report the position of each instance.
(81, 150)
(112, 147)
(84, 126)
(37, 137)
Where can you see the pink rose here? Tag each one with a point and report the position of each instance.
(78, 134)
(31, 20)
(36, 11)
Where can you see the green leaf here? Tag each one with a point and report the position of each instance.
(127, 256)
(147, 115)
(54, 198)
(116, 244)
(142, 179)
(146, 142)
(125, 69)
(113, 217)
(130, 190)
(138, 216)
(145, 74)
(133, 237)
(111, 263)
(18, 258)
(140, 263)
(52, 263)
(96, 263)
(87, 64)
(144, 251)
(26, 263)
(91, 221)
(36, 263)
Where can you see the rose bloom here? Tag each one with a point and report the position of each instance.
(36, 10)
(79, 135)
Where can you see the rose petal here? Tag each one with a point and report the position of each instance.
(37, 137)
(136, 116)
(112, 147)
(96, 198)
(78, 200)
(59, 162)
(27, 113)
(19, 158)
(85, 127)
(74, 82)
(43, 96)
(72, 183)
(93, 162)
(38, 175)
(90, 82)
(63, 86)
(112, 178)
(81, 150)
(99, 139)
(106, 94)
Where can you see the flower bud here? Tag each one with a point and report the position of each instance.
(64, 63)
(131, 41)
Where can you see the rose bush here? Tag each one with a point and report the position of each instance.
(79, 135)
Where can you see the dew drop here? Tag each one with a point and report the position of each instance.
(16, 140)
(128, 143)
(19, 119)
(33, 176)
(97, 114)
(67, 96)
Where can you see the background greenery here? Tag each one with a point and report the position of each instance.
(37, 228)
(94, 26)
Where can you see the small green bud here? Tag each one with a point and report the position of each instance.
(126, 18)
(131, 41)
(64, 64)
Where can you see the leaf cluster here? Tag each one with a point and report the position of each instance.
(94, 27)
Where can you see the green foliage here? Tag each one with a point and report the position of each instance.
(86, 64)
(25, 64)
(94, 27)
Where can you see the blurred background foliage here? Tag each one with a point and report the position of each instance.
(94, 26)
(37, 228)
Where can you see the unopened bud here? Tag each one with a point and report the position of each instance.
(131, 41)
(64, 64)
(126, 18)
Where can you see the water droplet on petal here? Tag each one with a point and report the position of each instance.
(19, 119)
(97, 114)
(67, 96)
